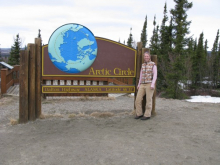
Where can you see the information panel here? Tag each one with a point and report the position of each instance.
(88, 89)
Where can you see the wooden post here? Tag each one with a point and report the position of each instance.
(3, 80)
(138, 68)
(38, 77)
(153, 113)
(30, 82)
(31, 99)
(23, 87)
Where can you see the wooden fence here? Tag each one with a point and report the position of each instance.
(9, 78)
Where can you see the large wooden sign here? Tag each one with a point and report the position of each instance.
(113, 60)
(65, 58)
(73, 51)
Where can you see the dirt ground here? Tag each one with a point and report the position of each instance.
(181, 133)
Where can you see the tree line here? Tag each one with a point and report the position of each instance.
(184, 63)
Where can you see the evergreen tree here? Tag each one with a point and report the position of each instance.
(206, 47)
(173, 78)
(144, 33)
(154, 41)
(195, 45)
(177, 70)
(164, 49)
(14, 57)
(170, 32)
(188, 61)
(218, 59)
(25, 47)
(215, 61)
(119, 40)
(198, 63)
(205, 74)
(181, 25)
(165, 39)
(190, 48)
(130, 40)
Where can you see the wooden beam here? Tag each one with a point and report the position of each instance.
(38, 77)
(31, 76)
(153, 113)
(23, 87)
(138, 68)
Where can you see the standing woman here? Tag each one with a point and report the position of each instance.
(146, 85)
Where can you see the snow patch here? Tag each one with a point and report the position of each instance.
(204, 99)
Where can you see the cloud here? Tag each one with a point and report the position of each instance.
(105, 18)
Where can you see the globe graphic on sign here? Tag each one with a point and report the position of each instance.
(72, 48)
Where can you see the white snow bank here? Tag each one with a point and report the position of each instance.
(204, 99)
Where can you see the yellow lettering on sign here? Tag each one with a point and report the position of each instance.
(117, 71)
(93, 89)
(106, 72)
(120, 72)
(102, 72)
(98, 72)
(75, 89)
(49, 89)
(91, 71)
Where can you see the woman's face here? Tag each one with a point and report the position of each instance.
(146, 57)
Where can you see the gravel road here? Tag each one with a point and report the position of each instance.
(181, 133)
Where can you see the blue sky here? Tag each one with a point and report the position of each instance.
(110, 19)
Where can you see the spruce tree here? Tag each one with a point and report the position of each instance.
(130, 39)
(190, 48)
(144, 34)
(25, 47)
(164, 49)
(205, 74)
(188, 61)
(181, 25)
(165, 39)
(215, 61)
(218, 59)
(173, 78)
(177, 69)
(206, 47)
(14, 58)
(154, 41)
(198, 63)
(170, 32)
